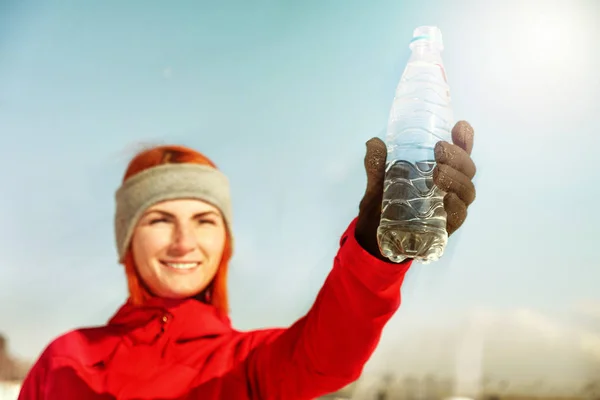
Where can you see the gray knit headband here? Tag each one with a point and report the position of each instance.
(167, 182)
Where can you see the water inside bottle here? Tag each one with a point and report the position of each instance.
(413, 220)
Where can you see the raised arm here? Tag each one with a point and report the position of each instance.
(327, 349)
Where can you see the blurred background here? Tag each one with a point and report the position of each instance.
(282, 95)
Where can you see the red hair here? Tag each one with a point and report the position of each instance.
(216, 292)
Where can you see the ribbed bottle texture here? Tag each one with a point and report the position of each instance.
(413, 220)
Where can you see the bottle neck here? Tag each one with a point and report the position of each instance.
(423, 50)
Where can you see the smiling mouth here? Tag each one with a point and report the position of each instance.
(181, 266)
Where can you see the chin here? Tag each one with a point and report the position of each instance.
(181, 294)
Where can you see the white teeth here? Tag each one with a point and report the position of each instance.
(182, 265)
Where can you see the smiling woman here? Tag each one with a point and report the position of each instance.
(168, 220)
(172, 338)
(177, 247)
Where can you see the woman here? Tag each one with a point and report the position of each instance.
(172, 339)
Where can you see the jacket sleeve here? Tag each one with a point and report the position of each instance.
(327, 348)
(33, 387)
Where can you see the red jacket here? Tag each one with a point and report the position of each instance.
(184, 350)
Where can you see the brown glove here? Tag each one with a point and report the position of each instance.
(453, 174)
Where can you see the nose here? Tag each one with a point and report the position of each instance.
(184, 240)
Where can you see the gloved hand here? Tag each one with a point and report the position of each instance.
(453, 174)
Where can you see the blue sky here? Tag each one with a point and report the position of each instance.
(283, 95)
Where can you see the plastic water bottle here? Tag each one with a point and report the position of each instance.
(413, 219)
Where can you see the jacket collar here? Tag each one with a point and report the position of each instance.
(135, 336)
(180, 320)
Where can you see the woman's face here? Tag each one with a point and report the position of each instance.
(177, 247)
